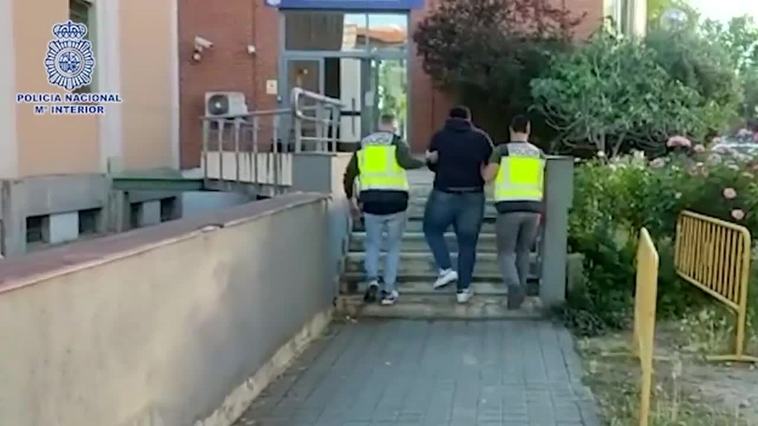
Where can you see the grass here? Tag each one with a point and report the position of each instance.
(676, 401)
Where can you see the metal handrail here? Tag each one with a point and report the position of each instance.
(297, 92)
(327, 119)
(246, 134)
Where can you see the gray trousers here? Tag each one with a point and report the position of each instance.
(516, 233)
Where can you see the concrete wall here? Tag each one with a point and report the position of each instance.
(135, 46)
(559, 196)
(47, 144)
(318, 172)
(39, 196)
(8, 142)
(199, 203)
(157, 327)
(148, 76)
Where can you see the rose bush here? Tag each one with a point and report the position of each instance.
(615, 199)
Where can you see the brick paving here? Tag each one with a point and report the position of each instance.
(398, 372)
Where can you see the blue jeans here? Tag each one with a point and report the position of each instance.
(394, 226)
(465, 212)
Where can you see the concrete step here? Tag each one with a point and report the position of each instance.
(441, 307)
(414, 242)
(416, 224)
(424, 288)
(423, 265)
(355, 283)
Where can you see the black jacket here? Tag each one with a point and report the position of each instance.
(462, 150)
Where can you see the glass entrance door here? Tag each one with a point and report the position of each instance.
(367, 87)
(359, 57)
(306, 74)
(389, 90)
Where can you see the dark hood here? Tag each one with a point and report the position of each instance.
(458, 125)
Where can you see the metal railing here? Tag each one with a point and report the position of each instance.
(256, 148)
(715, 256)
(318, 131)
(643, 344)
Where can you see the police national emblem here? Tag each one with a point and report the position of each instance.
(70, 61)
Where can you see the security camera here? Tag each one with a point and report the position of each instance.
(202, 43)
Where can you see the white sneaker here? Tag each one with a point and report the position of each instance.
(390, 299)
(464, 296)
(446, 277)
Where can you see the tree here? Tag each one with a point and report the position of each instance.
(485, 52)
(698, 62)
(612, 96)
(656, 9)
(739, 40)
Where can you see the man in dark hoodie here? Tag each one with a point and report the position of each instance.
(458, 153)
(380, 166)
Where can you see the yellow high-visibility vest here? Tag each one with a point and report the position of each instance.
(521, 175)
(379, 169)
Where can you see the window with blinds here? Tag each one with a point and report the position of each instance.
(80, 11)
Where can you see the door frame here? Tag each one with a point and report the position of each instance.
(285, 56)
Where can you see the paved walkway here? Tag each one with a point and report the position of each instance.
(431, 373)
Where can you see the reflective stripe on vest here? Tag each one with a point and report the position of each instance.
(520, 178)
(379, 169)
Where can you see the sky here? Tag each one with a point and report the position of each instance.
(723, 10)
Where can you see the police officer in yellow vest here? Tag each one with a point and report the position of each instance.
(379, 167)
(517, 169)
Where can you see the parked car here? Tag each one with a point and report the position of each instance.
(742, 146)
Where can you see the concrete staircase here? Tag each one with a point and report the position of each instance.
(418, 271)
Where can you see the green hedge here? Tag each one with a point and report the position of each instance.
(613, 200)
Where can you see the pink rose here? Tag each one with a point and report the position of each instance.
(678, 141)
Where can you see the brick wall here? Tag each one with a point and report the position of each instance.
(227, 66)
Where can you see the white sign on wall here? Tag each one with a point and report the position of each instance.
(272, 87)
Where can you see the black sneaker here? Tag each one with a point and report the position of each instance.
(516, 296)
(371, 293)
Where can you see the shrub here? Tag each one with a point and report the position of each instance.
(613, 200)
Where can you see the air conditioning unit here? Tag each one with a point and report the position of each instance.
(225, 104)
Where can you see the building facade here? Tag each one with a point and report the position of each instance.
(348, 50)
(54, 166)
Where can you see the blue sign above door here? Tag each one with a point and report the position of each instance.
(347, 4)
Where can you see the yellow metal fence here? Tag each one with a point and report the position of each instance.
(714, 255)
(644, 318)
